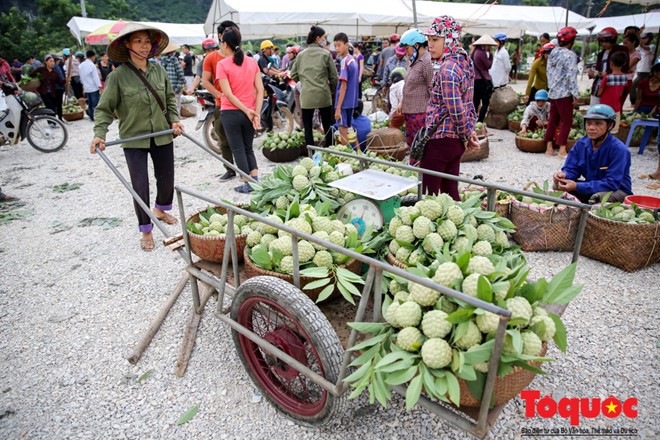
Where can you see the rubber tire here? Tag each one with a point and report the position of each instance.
(208, 130)
(321, 334)
(51, 119)
(282, 120)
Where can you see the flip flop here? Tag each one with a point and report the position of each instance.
(550, 154)
(653, 186)
(167, 218)
(147, 244)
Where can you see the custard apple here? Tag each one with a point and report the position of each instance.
(486, 232)
(350, 229)
(436, 353)
(338, 226)
(435, 324)
(423, 295)
(472, 221)
(240, 220)
(286, 265)
(305, 251)
(447, 274)
(394, 225)
(469, 286)
(323, 236)
(519, 308)
(402, 296)
(502, 239)
(430, 209)
(487, 322)
(501, 289)
(470, 232)
(267, 238)
(446, 305)
(222, 219)
(330, 177)
(337, 238)
(540, 311)
(550, 327)
(482, 248)
(253, 238)
(532, 344)
(409, 314)
(433, 241)
(415, 257)
(390, 314)
(482, 367)
(447, 230)
(481, 265)
(445, 200)
(323, 259)
(471, 337)
(408, 214)
(402, 254)
(267, 229)
(322, 224)
(455, 214)
(281, 244)
(405, 234)
(308, 163)
(394, 287)
(422, 227)
(461, 245)
(314, 172)
(300, 182)
(409, 338)
(394, 247)
(299, 170)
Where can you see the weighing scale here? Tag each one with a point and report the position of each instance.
(379, 193)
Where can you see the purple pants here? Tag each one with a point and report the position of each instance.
(442, 155)
(561, 115)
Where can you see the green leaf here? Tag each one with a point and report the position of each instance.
(316, 284)
(516, 339)
(460, 330)
(413, 392)
(403, 364)
(345, 293)
(563, 296)
(453, 388)
(401, 376)
(562, 281)
(539, 328)
(349, 286)
(387, 301)
(461, 315)
(463, 260)
(526, 366)
(370, 342)
(367, 327)
(382, 391)
(515, 322)
(144, 376)
(484, 289)
(367, 356)
(393, 357)
(467, 372)
(261, 258)
(188, 415)
(440, 386)
(480, 353)
(64, 187)
(349, 276)
(315, 272)
(325, 293)
(476, 386)
(456, 360)
(560, 332)
(359, 373)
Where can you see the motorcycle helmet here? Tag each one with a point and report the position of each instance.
(501, 37)
(608, 35)
(399, 49)
(567, 34)
(541, 95)
(601, 111)
(547, 48)
(266, 44)
(394, 38)
(412, 37)
(209, 43)
(398, 74)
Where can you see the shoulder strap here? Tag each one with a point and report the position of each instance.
(151, 89)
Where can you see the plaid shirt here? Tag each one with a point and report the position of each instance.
(418, 85)
(451, 98)
(174, 71)
(562, 73)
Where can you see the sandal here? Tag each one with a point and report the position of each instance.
(147, 244)
(167, 218)
(653, 186)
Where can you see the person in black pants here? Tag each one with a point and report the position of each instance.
(48, 87)
(483, 86)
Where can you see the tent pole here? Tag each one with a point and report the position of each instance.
(568, 2)
(414, 7)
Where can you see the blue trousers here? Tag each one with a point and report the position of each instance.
(92, 102)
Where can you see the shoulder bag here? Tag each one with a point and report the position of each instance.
(419, 142)
(151, 89)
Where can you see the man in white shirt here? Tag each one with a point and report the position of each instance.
(499, 71)
(91, 82)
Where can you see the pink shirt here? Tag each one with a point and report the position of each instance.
(241, 81)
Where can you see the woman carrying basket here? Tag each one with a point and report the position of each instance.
(450, 115)
(142, 97)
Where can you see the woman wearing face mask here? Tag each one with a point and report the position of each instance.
(450, 115)
(417, 88)
(317, 74)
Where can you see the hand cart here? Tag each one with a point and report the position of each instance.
(295, 351)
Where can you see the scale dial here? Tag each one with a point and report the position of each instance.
(362, 213)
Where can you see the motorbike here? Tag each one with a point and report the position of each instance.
(275, 114)
(207, 101)
(23, 119)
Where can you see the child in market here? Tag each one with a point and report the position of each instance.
(612, 86)
(536, 113)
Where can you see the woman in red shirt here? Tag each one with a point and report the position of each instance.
(242, 89)
(648, 93)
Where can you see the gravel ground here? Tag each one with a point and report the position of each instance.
(74, 300)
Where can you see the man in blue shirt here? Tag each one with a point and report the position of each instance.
(599, 158)
(346, 97)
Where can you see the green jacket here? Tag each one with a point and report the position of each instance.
(137, 109)
(317, 73)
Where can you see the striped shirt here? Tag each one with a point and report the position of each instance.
(451, 98)
(174, 71)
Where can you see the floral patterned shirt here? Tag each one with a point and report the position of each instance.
(451, 98)
(562, 73)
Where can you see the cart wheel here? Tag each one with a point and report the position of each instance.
(285, 317)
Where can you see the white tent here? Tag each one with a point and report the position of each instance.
(180, 33)
(650, 21)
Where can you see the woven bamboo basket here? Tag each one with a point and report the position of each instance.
(73, 116)
(553, 229)
(506, 388)
(530, 145)
(627, 246)
(396, 152)
(281, 154)
(213, 248)
(514, 126)
(385, 137)
(478, 154)
(569, 145)
(252, 270)
(31, 86)
(82, 102)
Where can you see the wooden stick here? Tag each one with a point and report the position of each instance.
(155, 325)
(188, 343)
